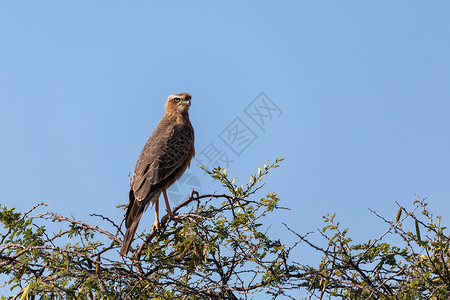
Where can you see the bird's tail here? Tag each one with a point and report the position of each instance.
(129, 234)
(133, 216)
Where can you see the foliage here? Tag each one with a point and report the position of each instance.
(214, 250)
(415, 268)
(217, 246)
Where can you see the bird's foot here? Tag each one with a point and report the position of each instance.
(156, 226)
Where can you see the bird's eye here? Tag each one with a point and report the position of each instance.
(177, 100)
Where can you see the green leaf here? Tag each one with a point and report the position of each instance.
(25, 292)
(399, 214)
(417, 230)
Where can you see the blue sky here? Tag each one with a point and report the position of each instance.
(362, 88)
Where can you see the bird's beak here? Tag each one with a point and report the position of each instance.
(187, 103)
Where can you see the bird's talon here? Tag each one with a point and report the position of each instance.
(156, 226)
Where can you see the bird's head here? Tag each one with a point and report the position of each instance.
(178, 103)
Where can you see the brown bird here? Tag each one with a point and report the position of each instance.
(164, 158)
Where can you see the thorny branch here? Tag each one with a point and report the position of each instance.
(216, 246)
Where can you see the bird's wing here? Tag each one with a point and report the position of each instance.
(165, 151)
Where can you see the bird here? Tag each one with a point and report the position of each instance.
(164, 158)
